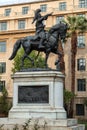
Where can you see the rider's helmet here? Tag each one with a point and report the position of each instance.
(37, 14)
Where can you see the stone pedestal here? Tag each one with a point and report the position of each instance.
(38, 94)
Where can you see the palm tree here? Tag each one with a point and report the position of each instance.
(77, 24)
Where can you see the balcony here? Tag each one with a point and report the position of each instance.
(15, 15)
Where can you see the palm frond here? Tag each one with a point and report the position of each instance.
(77, 23)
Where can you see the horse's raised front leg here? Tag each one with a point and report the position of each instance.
(59, 56)
(46, 58)
(58, 61)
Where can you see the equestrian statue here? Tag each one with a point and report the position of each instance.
(43, 41)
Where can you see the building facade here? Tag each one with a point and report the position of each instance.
(16, 22)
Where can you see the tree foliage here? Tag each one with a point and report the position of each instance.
(76, 24)
(38, 62)
(5, 105)
(68, 96)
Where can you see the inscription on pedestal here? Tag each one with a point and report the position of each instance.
(33, 94)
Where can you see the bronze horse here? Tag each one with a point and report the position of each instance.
(50, 45)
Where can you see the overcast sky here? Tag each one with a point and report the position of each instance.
(5, 2)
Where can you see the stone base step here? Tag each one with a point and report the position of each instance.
(40, 111)
(78, 127)
(66, 124)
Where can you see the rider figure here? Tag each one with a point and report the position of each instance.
(40, 32)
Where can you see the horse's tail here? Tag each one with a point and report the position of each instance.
(15, 49)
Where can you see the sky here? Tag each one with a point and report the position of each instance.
(5, 2)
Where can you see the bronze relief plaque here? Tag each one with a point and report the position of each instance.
(33, 94)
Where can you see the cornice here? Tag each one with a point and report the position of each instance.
(17, 32)
(25, 3)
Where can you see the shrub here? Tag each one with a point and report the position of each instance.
(5, 105)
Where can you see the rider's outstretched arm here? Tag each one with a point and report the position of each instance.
(44, 17)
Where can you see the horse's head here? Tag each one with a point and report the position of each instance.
(59, 29)
(62, 30)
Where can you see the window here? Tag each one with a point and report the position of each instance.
(62, 6)
(81, 84)
(59, 19)
(80, 110)
(2, 67)
(81, 41)
(3, 26)
(2, 85)
(21, 24)
(25, 10)
(43, 8)
(2, 46)
(81, 64)
(7, 12)
(82, 3)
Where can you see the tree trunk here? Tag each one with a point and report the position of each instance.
(73, 62)
(73, 59)
(62, 64)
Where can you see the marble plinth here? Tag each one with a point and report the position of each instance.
(27, 105)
